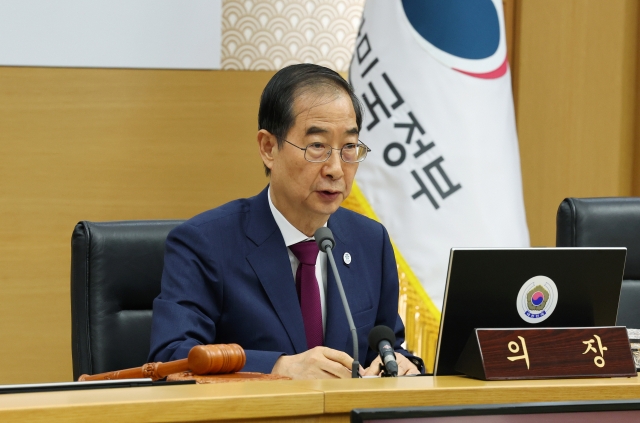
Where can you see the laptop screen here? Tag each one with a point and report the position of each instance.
(526, 287)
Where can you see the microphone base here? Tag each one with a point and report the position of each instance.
(355, 369)
(385, 373)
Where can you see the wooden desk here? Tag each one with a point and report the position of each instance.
(294, 401)
(343, 396)
(178, 403)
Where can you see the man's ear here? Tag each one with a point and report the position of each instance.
(268, 145)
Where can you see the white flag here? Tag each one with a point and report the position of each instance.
(444, 170)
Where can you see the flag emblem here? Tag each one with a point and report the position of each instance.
(537, 298)
(468, 37)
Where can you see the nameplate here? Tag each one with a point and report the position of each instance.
(544, 353)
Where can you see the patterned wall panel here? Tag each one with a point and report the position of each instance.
(267, 34)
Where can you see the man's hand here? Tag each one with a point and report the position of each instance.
(405, 366)
(317, 363)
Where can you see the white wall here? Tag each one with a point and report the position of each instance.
(178, 34)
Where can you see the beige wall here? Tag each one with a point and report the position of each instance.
(92, 144)
(635, 170)
(100, 144)
(576, 95)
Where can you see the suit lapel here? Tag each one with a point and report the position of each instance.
(337, 332)
(270, 261)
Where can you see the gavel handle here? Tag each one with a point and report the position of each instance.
(203, 359)
(155, 371)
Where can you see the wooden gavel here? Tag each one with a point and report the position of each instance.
(202, 360)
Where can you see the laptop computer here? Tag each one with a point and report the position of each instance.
(526, 287)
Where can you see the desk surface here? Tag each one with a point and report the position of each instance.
(322, 400)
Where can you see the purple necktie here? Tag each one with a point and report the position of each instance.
(308, 292)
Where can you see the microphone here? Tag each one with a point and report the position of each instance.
(325, 241)
(381, 340)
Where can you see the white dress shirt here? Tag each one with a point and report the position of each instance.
(293, 236)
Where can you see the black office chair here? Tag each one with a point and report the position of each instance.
(607, 222)
(116, 269)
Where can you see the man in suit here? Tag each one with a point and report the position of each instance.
(249, 272)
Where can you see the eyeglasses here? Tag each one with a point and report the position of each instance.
(319, 152)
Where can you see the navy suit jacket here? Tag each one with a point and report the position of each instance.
(227, 279)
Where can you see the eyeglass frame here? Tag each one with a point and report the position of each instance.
(330, 151)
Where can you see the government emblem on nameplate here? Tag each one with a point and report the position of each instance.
(537, 299)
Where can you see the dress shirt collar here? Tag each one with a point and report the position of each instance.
(289, 232)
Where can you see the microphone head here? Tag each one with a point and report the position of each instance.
(324, 239)
(381, 333)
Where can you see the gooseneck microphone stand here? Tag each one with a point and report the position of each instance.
(325, 241)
